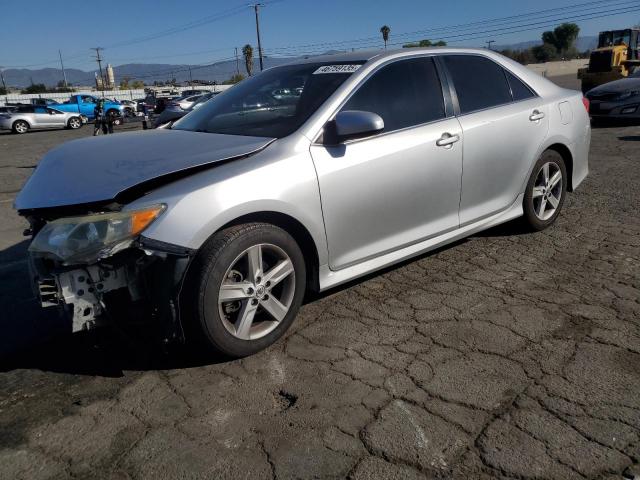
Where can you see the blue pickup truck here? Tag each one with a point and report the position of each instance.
(85, 104)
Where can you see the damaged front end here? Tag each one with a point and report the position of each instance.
(99, 268)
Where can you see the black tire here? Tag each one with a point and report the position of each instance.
(117, 119)
(74, 123)
(199, 302)
(20, 127)
(530, 206)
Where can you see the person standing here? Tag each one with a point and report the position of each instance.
(99, 120)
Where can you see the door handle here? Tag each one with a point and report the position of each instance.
(536, 115)
(447, 140)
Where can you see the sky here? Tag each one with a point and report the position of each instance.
(204, 31)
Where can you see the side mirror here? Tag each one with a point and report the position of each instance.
(356, 124)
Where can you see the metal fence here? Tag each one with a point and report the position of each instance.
(117, 94)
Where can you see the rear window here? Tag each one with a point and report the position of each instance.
(518, 89)
(479, 82)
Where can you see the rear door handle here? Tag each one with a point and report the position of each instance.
(536, 115)
(447, 140)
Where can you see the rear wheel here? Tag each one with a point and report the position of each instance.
(546, 191)
(20, 126)
(245, 288)
(74, 123)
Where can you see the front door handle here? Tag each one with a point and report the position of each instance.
(536, 115)
(447, 140)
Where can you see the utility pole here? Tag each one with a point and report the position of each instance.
(64, 75)
(99, 60)
(255, 8)
(190, 78)
(489, 44)
(4, 85)
(237, 63)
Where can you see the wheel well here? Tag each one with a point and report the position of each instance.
(565, 153)
(20, 120)
(299, 233)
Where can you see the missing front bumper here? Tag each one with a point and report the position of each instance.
(139, 285)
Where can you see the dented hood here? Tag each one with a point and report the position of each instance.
(97, 169)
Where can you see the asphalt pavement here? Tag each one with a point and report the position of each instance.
(508, 355)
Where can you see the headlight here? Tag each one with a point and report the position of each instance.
(89, 238)
(625, 95)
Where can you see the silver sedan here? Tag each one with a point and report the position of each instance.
(23, 118)
(218, 226)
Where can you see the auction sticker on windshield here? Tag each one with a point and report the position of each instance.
(337, 69)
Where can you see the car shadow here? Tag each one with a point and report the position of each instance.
(630, 138)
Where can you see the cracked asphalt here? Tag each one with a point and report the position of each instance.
(509, 355)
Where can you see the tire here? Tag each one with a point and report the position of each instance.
(543, 200)
(219, 325)
(117, 120)
(20, 127)
(74, 123)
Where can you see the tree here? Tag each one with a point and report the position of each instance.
(247, 51)
(544, 52)
(137, 84)
(425, 43)
(124, 83)
(35, 88)
(234, 79)
(562, 37)
(3, 91)
(385, 30)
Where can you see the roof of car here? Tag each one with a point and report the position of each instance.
(366, 55)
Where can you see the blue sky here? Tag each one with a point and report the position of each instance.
(287, 27)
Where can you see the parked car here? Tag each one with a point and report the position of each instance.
(223, 222)
(130, 107)
(191, 93)
(34, 117)
(174, 112)
(617, 100)
(85, 105)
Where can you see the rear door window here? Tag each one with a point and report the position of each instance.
(479, 82)
(404, 93)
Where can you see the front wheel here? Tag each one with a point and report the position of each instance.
(74, 123)
(546, 191)
(245, 288)
(20, 126)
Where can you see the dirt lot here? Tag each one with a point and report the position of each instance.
(508, 355)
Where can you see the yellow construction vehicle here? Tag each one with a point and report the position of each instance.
(616, 57)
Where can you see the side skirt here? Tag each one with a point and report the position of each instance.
(330, 278)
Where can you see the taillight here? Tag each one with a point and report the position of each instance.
(586, 103)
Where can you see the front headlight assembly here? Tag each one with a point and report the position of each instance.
(625, 95)
(87, 239)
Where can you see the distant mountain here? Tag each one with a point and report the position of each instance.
(148, 72)
(583, 43)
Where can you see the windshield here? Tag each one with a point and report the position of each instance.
(273, 104)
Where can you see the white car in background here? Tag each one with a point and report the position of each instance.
(22, 118)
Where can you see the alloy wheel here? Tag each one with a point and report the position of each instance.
(21, 127)
(257, 291)
(547, 191)
(74, 123)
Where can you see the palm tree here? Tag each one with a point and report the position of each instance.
(385, 30)
(247, 51)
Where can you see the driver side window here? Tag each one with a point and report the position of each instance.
(404, 93)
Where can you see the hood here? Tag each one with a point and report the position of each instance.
(617, 86)
(97, 169)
